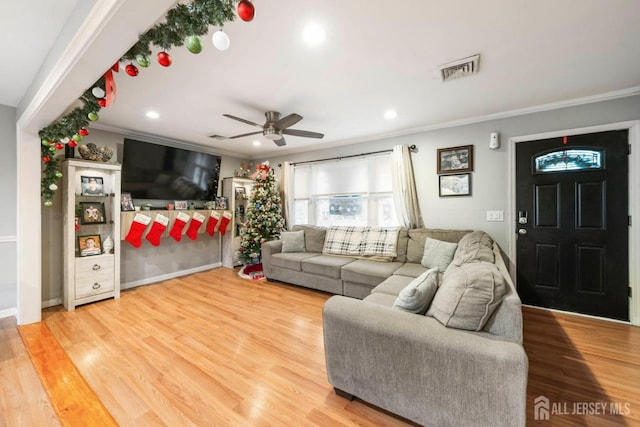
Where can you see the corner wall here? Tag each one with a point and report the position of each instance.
(491, 175)
(8, 184)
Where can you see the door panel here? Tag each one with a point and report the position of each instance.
(573, 254)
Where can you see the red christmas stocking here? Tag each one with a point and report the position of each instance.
(134, 236)
(194, 225)
(157, 228)
(178, 225)
(226, 217)
(213, 221)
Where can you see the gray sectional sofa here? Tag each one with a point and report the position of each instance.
(412, 364)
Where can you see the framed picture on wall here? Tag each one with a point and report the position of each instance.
(455, 159)
(92, 213)
(455, 185)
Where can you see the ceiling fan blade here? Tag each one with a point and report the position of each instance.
(242, 120)
(287, 121)
(303, 133)
(220, 137)
(245, 134)
(280, 142)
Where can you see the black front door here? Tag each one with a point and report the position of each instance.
(572, 223)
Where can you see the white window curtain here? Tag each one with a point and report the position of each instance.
(286, 194)
(404, 188)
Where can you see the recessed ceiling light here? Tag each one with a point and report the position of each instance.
(256, 143)
(314, 34)
(153, 115)
(390, 114)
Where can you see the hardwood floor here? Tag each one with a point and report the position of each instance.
(214, 349)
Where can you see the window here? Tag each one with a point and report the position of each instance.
(574, 159)
(353, 191)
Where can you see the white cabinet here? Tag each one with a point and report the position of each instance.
(238, 192)
(91, 231)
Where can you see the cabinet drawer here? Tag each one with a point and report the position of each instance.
(94, 285)
(90, 266)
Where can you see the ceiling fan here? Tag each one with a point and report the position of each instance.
(274, 128)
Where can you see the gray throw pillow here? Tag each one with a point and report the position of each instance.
(468, 295)
(292, 241)
(438, 253)
(417, 295)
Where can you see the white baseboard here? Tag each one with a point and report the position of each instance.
(149, 280)
(577, 314)
(8, 312)
(52, 302)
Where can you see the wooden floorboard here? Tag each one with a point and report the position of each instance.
(214, 349)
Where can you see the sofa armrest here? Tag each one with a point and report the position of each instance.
(267, 250)
(413, 366)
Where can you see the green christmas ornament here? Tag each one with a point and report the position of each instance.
(93, 116)
(58, 175)
(46, 143)
(77, 137)
(142, 60)
(48, 203)
(194, 44)
(52, 149)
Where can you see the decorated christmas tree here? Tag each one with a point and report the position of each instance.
(264, 215)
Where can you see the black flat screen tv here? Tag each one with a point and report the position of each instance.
(153, 171)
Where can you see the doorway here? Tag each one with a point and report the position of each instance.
(572, 223)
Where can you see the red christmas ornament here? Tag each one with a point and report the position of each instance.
(83, 131)
(164, 59)
(46, 159)
(59, 146)
(132, 70)
(246, 10)
(72, 144)
(102, 102)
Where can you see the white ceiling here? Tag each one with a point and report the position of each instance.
(377, 55)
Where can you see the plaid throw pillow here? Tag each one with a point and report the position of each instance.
(381, 241)
(361, 241)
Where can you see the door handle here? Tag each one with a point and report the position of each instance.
(522, 231)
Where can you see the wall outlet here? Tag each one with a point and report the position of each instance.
(495, 216)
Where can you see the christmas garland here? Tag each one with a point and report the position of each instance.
(183, 25)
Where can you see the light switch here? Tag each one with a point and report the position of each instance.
(495, 216)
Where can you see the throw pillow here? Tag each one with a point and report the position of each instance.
(417, 295)
(468, 296)
(292, 241)
(438, 253)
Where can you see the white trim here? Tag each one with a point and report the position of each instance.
(8, 239)
(52, 302)
(634, 199)
(149, 280)
(8, 312)
(571, 313)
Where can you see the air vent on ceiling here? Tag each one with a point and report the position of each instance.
(460, 68)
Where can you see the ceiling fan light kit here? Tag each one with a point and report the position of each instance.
(274, 128)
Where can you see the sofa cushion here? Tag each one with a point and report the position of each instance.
(325, 265)
(418, 237)
(474, 247)
(313, 236)
(417, 295)
(393, 285)
(438, 254)
(291, 261)
(468, 295)
(410, 269)
(368, 272)
(292, 241)
(381, 299)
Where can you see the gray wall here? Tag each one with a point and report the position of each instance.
(136, 264)
(8, 184)
(491, 175)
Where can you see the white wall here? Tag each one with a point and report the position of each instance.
(491, 175)
(8, 261)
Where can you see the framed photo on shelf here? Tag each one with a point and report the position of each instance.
(241, 193)
(180, 204)
(92, 186)
(126, 202)
(92, 213)
(455, 159)
(90, 245)
(455, 185)
(222, 203)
